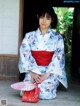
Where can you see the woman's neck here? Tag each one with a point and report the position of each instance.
(43, 31)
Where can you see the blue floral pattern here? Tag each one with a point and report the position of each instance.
(51, 41)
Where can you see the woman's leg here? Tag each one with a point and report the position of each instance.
(48, 88)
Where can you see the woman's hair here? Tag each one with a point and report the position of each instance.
(50, 13)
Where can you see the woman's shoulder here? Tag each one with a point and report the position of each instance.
(29, 33)
(56, 34)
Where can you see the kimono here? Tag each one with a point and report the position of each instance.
(51, 41)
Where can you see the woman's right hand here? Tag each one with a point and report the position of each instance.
(35, 77)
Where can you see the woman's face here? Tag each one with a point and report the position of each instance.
(45, 21)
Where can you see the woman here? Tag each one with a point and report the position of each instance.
(42, 55)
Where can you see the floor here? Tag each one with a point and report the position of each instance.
(70, 97)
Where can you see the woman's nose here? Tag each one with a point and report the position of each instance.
(44, 19)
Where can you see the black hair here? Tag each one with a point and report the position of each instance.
(49, 11)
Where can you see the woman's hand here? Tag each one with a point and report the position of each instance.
(38, 78)
(35, 77)
(44, 77)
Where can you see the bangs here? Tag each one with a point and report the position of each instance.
(45, 14)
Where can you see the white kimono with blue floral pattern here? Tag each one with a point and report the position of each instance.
(51, 41)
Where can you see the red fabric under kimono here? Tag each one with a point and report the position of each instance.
(42, 58)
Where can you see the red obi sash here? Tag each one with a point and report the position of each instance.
(42, 58)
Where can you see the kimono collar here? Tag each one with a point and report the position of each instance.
(48, 32)
(45, 37)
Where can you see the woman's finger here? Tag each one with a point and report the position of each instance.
(38, 80)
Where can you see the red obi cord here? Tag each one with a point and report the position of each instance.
(42, 58)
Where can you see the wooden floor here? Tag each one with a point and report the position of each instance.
(70, 97)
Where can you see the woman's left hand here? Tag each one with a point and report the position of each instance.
(45, 76)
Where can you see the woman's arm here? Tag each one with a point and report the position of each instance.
(57, 65)
(26, 61)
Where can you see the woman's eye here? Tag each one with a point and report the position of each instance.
(41, 17)
(48, 18)
(45, 18)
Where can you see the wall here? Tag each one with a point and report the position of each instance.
(8, 68)
(9, 26)
(9, 39)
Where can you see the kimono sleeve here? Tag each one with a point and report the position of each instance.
(26, 61)
(57, 65)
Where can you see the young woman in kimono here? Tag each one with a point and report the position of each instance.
(42, 55)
